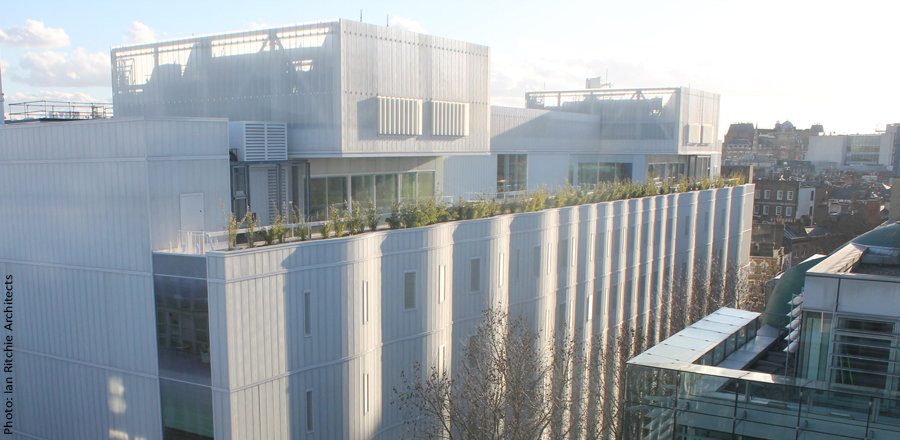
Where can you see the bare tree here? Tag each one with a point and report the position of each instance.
(512, 384)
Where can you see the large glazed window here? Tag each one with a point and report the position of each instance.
(182, 324)
(512, 172)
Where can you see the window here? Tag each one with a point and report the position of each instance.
(309, 411)
(516, 267)
(811, 194)
(442, 283)
(767, 194)
(789, 211)
(756, 209)
(790, 195)
(563, 256)
(589, 308)
(500, 271)
(765, 209)
(536, 261)
(756, 195)
(512, 172)
(365, 393)
(442, 350)
(779, 195)
(475, 275)
(365, 302)
(307, 314)
(591, 247)
(549, 256)
(778, 211)
(409, 290)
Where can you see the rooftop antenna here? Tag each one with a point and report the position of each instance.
(387, 20)
(360, 15)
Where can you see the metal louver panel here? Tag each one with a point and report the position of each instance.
(399, 116)
(449, 118)
(276, 141)
(254, 142)
(258, 141)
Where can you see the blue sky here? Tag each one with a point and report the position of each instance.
(805, 61)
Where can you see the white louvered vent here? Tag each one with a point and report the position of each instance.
(258, 141)
(399, 116)
(449, 118)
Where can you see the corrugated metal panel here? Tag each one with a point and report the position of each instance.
(90, 201)
(260, 304)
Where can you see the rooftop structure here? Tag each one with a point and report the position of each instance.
(155, 335)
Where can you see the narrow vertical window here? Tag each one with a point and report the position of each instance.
(536, 261)
(549, 256)
(501, 270)
(591, 248)
(409, 290)
(442, 283)
(563, 255)
(307, 314)
(309, 411)
(365, 302)
(475, 275)
(441, 366)
(365, 393)
(589, 308)
(515, 264)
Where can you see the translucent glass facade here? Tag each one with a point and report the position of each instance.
(710, 402)
(863, 150)
(675, 391)
(381, 189)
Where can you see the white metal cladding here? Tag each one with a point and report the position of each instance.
(88, 202)
(262, 357)
(388, 61)
(449, 118)
(399, 116)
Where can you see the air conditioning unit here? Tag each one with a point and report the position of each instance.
(258, 141)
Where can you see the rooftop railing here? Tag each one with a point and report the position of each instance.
(59, 110)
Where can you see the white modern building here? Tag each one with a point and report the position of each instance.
(128, 328)
(863, 152)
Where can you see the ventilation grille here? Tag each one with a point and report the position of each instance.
(449, 118)
(399, 116)
(258, 141)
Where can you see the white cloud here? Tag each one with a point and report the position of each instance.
(34, 35)
(407, 24)
(259, 24)
(67, 69)
(141, 33)
(52, 95)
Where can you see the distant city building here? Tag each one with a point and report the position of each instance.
(857, 152)
(763, 148)
(783, 200)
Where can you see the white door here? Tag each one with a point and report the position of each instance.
(192, 212)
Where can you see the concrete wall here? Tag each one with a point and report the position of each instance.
(83, 205)
(825, 149)
(264, 362)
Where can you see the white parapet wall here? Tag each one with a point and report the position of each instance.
(316, 322)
